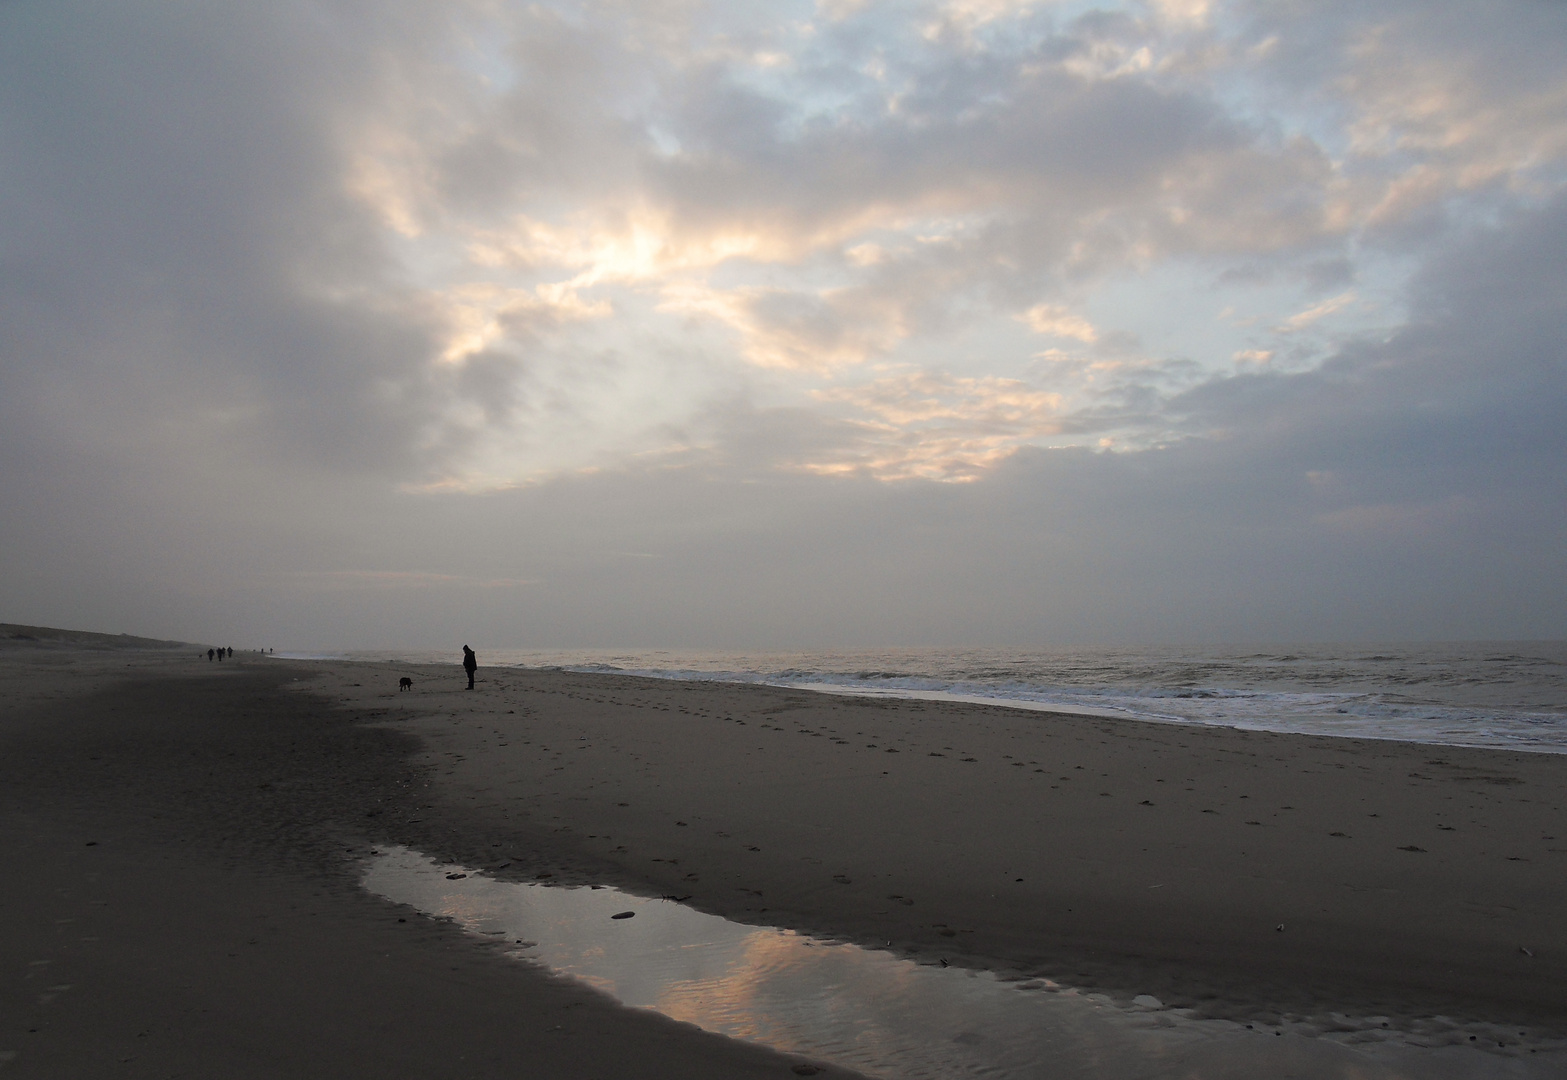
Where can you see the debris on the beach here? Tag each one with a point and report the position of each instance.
(805, 1070)
(455, 877)
(1525, 950)
(1412, 847)
(1147, 1001)
(624, 915)
(1279, 928)
(841, 879)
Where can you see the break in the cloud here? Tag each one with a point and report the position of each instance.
(849, 320)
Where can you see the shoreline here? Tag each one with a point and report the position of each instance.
(1025, 705)
(1029, 706)
(1522, 736)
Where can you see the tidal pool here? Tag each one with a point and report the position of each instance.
(894, 1018)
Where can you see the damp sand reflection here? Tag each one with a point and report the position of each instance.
(882, 1015)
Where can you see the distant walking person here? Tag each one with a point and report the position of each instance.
(210, 654)
(470, 664)
(231, 652)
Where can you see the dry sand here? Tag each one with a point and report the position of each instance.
(1134, 857)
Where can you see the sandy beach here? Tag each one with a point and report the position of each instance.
(216, 914)
(181, 899)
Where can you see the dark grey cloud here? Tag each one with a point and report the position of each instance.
(174, 229)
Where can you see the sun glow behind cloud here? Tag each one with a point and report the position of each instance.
(746, 192)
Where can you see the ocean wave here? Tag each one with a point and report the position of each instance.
(1510, 695)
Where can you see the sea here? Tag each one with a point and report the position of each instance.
(1509, 695)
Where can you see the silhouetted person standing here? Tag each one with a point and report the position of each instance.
(210, 654)
(470, 664)
(231, 652)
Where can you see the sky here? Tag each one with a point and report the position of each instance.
(788, 325)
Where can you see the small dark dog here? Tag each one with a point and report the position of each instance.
(405, 683)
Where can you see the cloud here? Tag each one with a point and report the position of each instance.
(782, 328)
(1440, 103)
(1303, 319)
(185, 272)
(1056, 320)
(936, 427)
(302, 310)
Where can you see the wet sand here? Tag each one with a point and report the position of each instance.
(180, 899)
(1156, 859)
(1132, 856)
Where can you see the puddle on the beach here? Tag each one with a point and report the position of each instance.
(871, 1011)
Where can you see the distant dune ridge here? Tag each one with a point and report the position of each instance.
(15, 635)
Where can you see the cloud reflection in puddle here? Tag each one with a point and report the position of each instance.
(870, 1010)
